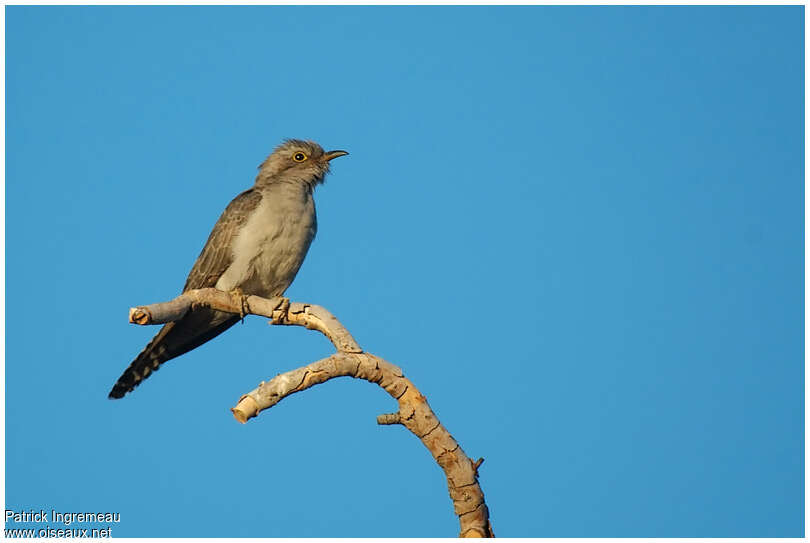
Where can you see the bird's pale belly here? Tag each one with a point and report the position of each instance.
(270, 249)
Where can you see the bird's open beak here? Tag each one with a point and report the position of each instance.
(334, 154)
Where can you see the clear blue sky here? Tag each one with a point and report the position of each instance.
(578, 230)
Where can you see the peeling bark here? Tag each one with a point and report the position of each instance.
(349, 361)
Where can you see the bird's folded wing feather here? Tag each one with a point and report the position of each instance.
(217, 253)
(196, 327)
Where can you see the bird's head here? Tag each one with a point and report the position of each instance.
(297, 161)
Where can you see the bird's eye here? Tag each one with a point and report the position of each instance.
(299, 157)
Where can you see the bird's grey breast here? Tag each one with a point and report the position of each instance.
(270, 247)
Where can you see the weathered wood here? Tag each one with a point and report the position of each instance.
(163, 312)
(350, 361)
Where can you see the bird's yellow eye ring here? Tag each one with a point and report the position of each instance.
(298, 156)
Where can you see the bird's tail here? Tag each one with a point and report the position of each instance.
(174, 339)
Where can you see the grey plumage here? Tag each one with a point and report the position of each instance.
(257, 245)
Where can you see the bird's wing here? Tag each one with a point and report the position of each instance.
(203, 324)
(217, 253)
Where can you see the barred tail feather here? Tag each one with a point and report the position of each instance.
(174, 339)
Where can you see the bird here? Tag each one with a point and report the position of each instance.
(255, 248)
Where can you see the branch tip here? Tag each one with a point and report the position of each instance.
(247, 408)
(389, 418)
(139, 315)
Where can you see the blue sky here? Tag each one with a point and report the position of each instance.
(578, 231)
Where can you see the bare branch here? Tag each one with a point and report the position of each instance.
(173, 310)
(350, 361)
(389, 418)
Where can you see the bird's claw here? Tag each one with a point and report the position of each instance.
(280, 312)
(240, 298)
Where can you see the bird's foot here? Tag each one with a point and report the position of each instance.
(280, 312)
(240, 298)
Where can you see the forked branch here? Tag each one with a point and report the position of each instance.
(414, 412)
